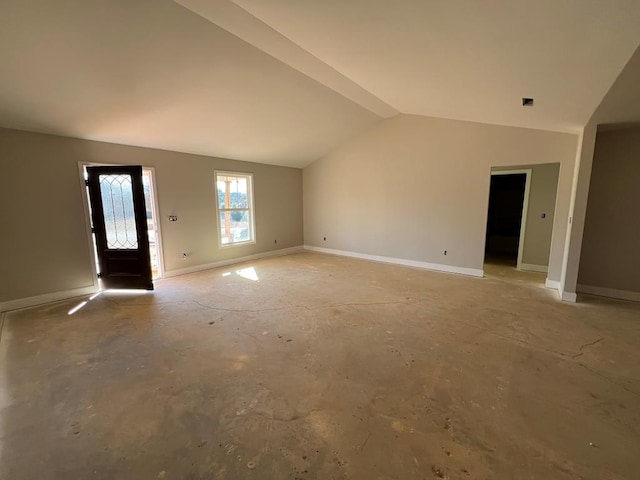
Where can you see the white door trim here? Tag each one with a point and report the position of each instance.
(525, 206)
(87, 217)
(87, 222)
(156, 218)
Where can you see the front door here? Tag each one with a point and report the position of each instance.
(119, 220)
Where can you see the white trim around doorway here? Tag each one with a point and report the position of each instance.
(87, 218)
(156, 218)
(87, 222)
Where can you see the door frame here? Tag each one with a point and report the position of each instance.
(156, 217)
(87, 217)
(525, 205)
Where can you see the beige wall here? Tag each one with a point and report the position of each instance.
(610, 255)
(542, 199)
(44, 246)
(412, 187)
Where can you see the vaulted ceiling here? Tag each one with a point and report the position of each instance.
(285, 81)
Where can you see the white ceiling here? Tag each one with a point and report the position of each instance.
(620, 107)
(285, 81)
(469, 60)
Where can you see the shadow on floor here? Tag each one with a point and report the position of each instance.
(503, 267)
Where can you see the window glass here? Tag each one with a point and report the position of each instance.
(235, 208)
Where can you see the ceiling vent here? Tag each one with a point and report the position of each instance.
(527, 102)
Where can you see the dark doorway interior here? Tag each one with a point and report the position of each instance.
(506, 198)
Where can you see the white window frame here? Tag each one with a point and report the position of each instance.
(251, 208)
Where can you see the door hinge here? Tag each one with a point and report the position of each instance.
(93, 229)
(99, 275)
(86, 182)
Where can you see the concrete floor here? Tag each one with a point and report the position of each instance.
(323, 368)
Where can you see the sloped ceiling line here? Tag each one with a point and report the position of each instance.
(469, 60)
(244, 25)
(284, 82)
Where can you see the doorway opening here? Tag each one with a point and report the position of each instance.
(148, 231)
(148, 182)
(507, 215)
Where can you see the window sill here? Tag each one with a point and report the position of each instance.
(236, 244)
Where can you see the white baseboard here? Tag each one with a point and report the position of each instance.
(231, 261)
(46, 298)
(609, 292)
(78, 292)
(400, 261)
(530, 267)
(555, 284)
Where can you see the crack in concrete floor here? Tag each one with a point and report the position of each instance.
(389, 372)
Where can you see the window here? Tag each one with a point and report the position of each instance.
(235, 208)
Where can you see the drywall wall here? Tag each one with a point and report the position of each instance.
(542, 200)
(45, 247)
(412, 187)
(577, 210)
(610, 256)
